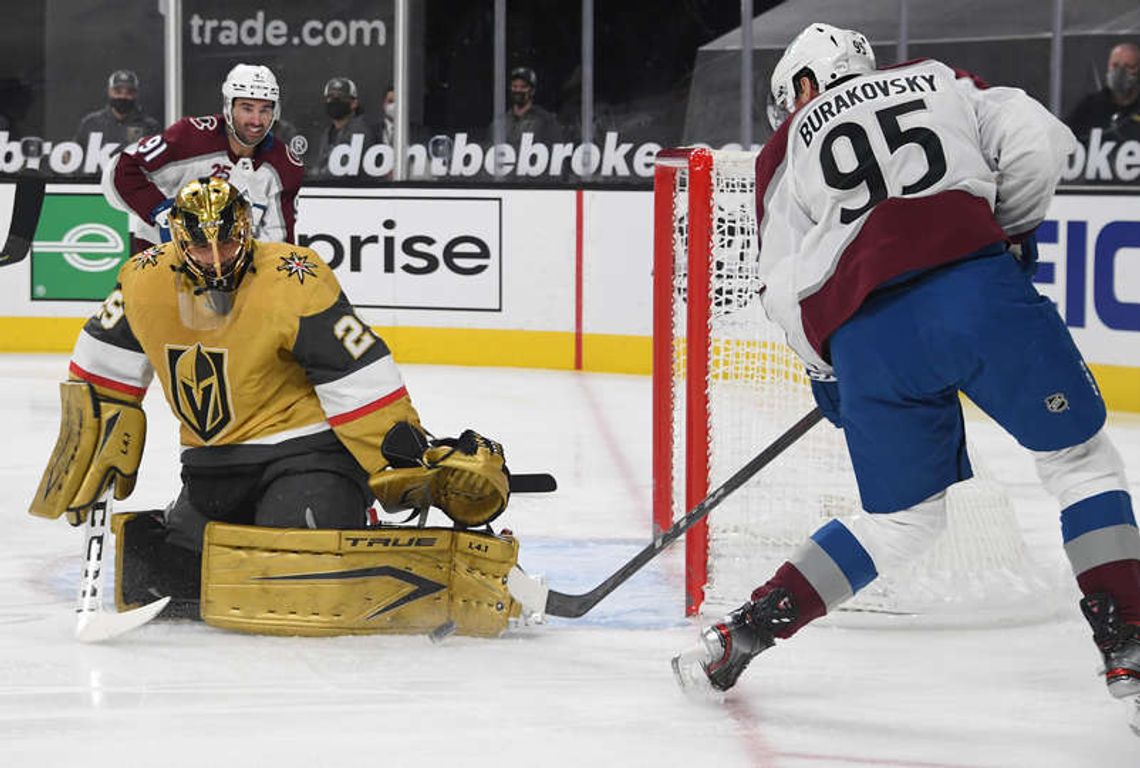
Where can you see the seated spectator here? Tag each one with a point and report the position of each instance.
(122, 121)
(345, 121)
(1116, 107)
(524, 115)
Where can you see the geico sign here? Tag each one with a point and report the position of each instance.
(1112, 248)
(416, 254)
(410, 252)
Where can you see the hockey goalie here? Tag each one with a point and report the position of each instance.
(293, 418)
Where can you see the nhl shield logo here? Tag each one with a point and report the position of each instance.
(199, 389)
(1057, 403)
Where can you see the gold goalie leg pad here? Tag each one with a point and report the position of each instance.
(390, 581)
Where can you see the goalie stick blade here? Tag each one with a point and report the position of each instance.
(25, 216)
(97, 626)
(574, 606)
(538, 482)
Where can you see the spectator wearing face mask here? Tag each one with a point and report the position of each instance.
(122, 121)
(1115, 108)
(388, 122)
(343, 110)
(524, 115)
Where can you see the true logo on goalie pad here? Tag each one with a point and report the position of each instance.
(200, 389)
(390, 541)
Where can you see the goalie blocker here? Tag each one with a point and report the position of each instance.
(100, 442)
(322, 582)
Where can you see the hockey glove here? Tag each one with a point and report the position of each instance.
(160, 215)
(826, 394)
(465, 476)
(472, 483)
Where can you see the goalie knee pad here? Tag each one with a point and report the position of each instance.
(319, 499)
(100, 442)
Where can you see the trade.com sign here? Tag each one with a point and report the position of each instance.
(78, 247)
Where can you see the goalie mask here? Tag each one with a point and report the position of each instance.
(211, 231)
(829, 54)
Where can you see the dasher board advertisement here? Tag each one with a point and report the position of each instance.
(411, 252)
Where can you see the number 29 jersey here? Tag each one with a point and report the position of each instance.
(291, 366)
(890, 174)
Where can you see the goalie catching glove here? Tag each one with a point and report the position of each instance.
(466, 477)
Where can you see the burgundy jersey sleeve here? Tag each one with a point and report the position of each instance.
(135, 173)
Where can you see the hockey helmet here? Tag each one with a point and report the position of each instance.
(828, 53)
(250, 81)
(209, 214)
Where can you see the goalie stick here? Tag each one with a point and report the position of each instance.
(535, 482)
(94, 624)
(26, 209)
(531, 592)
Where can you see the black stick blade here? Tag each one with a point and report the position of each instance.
(539, 482)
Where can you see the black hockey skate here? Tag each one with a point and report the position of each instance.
(727, 647)
(1119, 643)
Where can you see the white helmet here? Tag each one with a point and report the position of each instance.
(250, 81)
(828, 52)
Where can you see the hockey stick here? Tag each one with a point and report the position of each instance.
(26, 209)
(94, 624)
(537, 482)
(531, 592)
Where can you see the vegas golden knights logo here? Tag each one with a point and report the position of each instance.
(199, 389)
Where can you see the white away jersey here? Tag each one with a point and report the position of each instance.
(890, 173)
(154, 168)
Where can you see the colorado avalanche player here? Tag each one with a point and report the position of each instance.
(896, 213)
(237, 145)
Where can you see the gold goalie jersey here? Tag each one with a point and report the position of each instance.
(291, 365)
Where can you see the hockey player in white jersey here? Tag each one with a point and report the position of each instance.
(896, 210)
(237, 145)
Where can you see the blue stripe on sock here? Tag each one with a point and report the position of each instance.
(842, 547)
(1100, 511)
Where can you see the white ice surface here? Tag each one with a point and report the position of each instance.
(595, 691)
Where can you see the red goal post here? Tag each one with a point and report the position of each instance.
(696, 164)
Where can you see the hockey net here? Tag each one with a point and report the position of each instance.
(725, 385)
